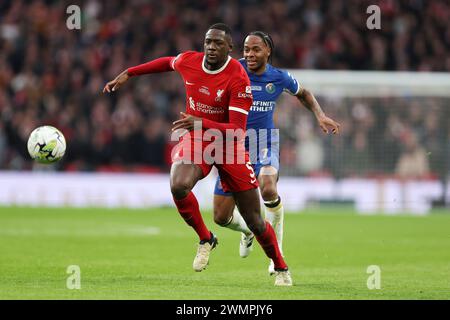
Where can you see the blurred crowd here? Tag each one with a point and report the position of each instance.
(402, 136)
(52, 75)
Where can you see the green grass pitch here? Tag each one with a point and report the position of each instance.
(147, 254)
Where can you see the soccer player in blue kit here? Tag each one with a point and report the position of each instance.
(267, 83)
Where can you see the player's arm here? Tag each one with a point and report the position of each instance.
(309, 101)
(163, 64)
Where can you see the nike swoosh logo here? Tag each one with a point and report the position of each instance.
(252, 181)
(189, 83)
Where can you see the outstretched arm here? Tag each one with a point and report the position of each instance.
(309, 101)
(155, 66)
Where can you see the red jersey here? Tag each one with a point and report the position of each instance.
(217, 94)
(222, 98)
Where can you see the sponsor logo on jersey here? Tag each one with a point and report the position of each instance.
(244, 95)
(204, 90)
(201, 107)
(270, 88)
(261, 109)
(247, 93)
(191, 103)
(256, 88)
(262, 106)
(204, 108)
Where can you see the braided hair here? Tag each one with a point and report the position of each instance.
(267, 39)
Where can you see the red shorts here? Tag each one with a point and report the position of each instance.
(235, 177)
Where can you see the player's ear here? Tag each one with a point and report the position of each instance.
(269, 53)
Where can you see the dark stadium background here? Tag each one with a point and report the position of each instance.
(50, 75)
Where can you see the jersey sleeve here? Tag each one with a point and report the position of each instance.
(154, 66)
(163, 64)
(291, 85)
(241, 98)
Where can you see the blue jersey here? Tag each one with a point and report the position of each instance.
(266, 88)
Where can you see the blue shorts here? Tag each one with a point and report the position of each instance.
(267, 157)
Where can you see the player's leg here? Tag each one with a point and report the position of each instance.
(267, 168)
(241, 180)
(249, 206)
(226, 215)
(274, 211)
(183, 178)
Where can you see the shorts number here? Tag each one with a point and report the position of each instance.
(252, 173)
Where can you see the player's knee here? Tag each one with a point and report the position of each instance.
(221, 219)
(269, 192)
(222, 214)
(257, 226)
(180, 188)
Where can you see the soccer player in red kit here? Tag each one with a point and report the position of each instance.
(218, 96)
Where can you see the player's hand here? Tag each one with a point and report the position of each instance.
(186, 122)
(325, 123)
(117, 82)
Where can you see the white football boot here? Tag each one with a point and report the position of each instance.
(201, 259)
(246, 244)
(283, 278)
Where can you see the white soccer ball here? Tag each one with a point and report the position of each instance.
(46, 144)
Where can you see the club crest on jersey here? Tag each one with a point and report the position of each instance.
(204, 90)
(270, 88)
(219, 94)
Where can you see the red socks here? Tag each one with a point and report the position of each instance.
(268, 242)
(190, 211)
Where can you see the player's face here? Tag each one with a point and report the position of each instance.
(217, 47)
(256, 53)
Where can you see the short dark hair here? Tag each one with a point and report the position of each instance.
(221, 26)
(267, 39)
